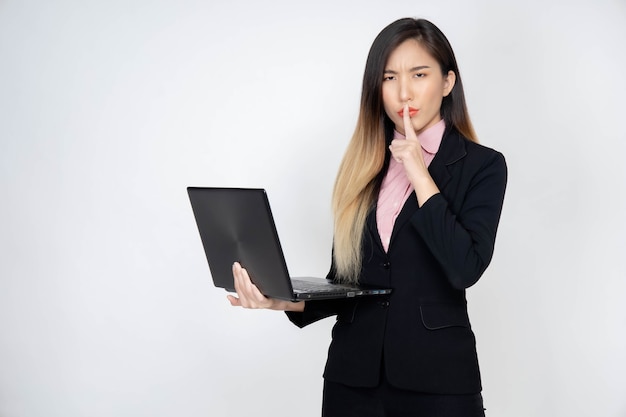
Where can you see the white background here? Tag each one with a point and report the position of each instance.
(109, 109)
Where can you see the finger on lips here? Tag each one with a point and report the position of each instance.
(409, 132)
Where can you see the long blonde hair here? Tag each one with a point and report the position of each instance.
(360, 173)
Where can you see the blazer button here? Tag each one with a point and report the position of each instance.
(386, 265)
(384, 304)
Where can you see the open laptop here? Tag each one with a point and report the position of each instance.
(236, 224)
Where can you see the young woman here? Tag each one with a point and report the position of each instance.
(416, 204)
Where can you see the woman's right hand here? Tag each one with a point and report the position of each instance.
(249, 296)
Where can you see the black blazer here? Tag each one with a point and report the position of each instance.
(422, 331)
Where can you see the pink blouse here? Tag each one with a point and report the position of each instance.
(396, 188)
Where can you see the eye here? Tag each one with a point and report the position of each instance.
(419, 75)
(389, 78)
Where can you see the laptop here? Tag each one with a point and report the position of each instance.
(236, 224)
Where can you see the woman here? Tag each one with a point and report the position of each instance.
(416, 203)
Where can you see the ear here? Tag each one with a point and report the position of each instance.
(448, 83)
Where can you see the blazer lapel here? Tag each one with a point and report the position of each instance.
(451, 150)
(407, 211)
(372, 225)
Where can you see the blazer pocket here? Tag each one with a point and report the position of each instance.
(442, 316)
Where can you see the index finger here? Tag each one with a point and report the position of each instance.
(409, 132)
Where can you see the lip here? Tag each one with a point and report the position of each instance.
(412, 112)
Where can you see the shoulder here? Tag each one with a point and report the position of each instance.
(482, 150)
(477, 153)
(484, 156)
(468, 159)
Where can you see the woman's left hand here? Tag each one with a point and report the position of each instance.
(408, 152)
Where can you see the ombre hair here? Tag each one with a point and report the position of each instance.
(363, 165)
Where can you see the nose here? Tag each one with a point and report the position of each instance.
(405, 91)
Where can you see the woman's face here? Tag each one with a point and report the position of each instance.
(413, 76)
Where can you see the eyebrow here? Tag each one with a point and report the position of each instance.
(421, 67)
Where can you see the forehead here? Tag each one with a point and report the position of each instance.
(410, 53)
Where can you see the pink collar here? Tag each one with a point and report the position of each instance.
(430, 139)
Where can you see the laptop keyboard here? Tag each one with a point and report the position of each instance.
(322, 286)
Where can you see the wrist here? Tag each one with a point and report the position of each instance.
(284, 305)
(425, 188)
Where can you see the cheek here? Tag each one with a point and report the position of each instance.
(387, 104)
(433, 95)
(386, 97)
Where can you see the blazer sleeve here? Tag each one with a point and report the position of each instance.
(463, 242)
(316, 310)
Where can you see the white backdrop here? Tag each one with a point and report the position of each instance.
(109, 109)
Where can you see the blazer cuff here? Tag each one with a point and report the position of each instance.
(315, 310)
